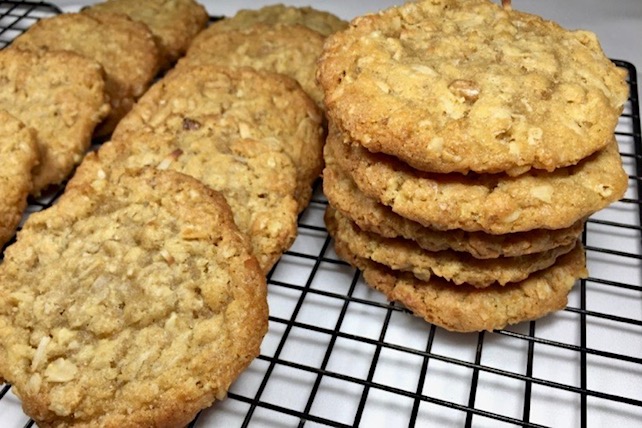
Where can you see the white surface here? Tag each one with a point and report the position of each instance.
(316, 301)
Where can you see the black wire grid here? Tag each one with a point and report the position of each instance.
(337, 354)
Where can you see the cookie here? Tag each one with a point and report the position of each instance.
(19, 154)
(258, 183)
(134, 301)
(468, 309)
(458, 268)
(465, 85)
(371, 216)
(292, 50)
(173, 23)
(491, 203)
(321, 21)
(236, 104)
(60, 95)
(124, 48)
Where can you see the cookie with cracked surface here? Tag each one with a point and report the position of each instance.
(133, 301)
(458, 268)
(468, 309)
(321, 21)
(234, 104)
(465, 85)
(124, 48)
(372, 216)
(491, 203)
(292, 50)
(60, 95)
(19, 154)
(258, 183)
(174, 23)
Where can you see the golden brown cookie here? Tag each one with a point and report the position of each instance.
(236, 104)
(491, 203)
(465, 85)
(60, 95)
(124, 48)
(375, 217)
(458, 268)
(257, 182)
(174, 23)
(467, 309)
(292, 50)
(321, 21)
(19, 154)
(133, 301)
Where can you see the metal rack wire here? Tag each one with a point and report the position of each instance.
(338, 355)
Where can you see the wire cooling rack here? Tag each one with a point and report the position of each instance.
(337, 354)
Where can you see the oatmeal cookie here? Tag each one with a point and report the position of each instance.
(258, 183)
(458, 268)
(467, 309)
(133, 301)
(60, 95)
(465, 85)
(491, 203)
(321, 21)
(371, 216)
(19, 154)
(174, 23)
(292, 50)
(124, 48)
(236, 104)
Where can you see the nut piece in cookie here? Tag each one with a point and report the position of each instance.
(173, 23)
(61, 96)
(19, 154)
(133, 301)
(124, 48)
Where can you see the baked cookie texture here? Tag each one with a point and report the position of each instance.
(292, 50)
(495, 204)
(236, 104)
(467, 145)
(468, 309)
(465, 85)
(174, 23)
(19, 154)
(61, 96)
(124, 48)
(404, 255)
(134, 301)
(372, 216)
(321, 21)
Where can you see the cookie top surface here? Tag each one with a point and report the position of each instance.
(458, 268)
(124, 48)
(467, 309)
(372, 216)
(233, 104)
(292, 50)
(134, 301)
(174, 23)
(19, 154)
(60, 95)
(464, 85)
(491, 203)
(321, 21)
(258, 183)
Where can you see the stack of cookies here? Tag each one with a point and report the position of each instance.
(468, 143)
